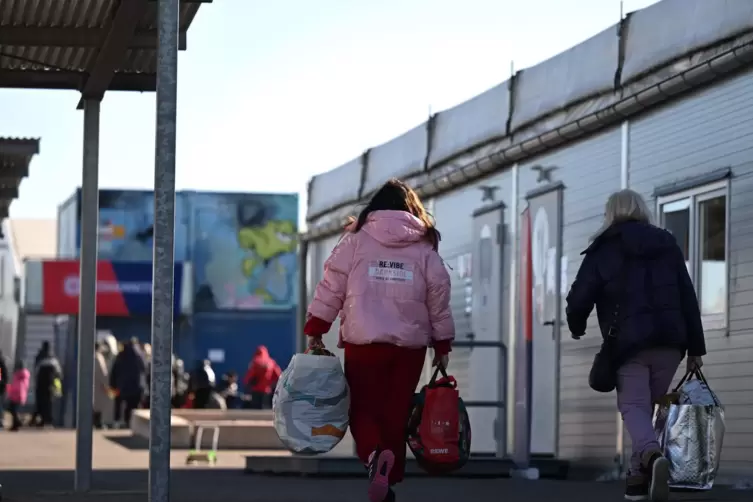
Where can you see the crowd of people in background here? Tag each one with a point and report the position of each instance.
(16, 385)
(122, 383)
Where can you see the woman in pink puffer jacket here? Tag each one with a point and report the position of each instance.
(392, 291)
(18, 392)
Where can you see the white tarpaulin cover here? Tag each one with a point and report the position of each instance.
(673, 28)
(468, 124)
(580, 72)
(336, 187)
(401, 157)
(574, 90)
(311, 404)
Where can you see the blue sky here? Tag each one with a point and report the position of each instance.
(271, 93)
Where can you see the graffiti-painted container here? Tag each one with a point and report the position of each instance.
(243, 249)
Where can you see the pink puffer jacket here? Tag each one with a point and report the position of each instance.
(389, 283)
(18, 390)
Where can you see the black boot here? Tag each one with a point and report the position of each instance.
(656, 467)
(98, 420)
(636, 487)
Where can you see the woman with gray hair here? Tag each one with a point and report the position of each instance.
(634, 273)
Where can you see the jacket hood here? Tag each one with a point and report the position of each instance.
(111, 343)
(394, 228)
(22, 375)
(131, 353)
(48, 360)
(637, 238)
(261, 353)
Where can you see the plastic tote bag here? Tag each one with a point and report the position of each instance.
(439, 430)
(689, 425)
(311, 403)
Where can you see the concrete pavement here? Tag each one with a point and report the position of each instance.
(37, 467)
(202, 485)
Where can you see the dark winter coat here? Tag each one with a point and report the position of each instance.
(47, 369)
(638, 271)
(202, 378)
(5, 377)
(128, 373)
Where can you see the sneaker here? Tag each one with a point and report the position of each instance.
(380, 465)
(657, 468)
(371, 467)
(636, 488)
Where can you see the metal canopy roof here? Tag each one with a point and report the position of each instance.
(15, 156)
(87, 45)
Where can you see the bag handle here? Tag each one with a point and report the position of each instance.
(445, 381)
(698, 374)
(683, 380)
(318, 351)
(688, 376)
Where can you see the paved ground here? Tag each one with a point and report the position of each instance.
(54, 450)
(36, 467)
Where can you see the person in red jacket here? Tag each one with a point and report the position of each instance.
(261, 378)
(387, 282)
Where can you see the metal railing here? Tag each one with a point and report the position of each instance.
(500, 424)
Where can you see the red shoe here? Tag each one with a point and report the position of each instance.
(380, 465)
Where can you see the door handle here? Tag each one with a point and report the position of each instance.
(553, 323)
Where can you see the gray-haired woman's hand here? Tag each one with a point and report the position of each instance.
(694, 363)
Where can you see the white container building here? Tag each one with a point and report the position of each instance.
(661, 103)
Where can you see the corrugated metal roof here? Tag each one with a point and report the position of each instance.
(10, 140)
(59, 14)
(57, 41)
(15, 156)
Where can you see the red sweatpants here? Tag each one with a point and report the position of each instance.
(382, 379)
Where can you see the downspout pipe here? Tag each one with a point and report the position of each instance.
(700, 75)
(303, 300)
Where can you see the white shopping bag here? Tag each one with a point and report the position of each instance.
(312, 403)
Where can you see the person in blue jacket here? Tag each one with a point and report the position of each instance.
(635, 274)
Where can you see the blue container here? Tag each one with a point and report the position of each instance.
(237, 335)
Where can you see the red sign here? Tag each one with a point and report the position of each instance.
(123, 288)
(526, 276)
(60, 293)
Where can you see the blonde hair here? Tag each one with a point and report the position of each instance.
(625, 205)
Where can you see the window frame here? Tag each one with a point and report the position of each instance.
(696, 196)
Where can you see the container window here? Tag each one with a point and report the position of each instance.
(699, 221)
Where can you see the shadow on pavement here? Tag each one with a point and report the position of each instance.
(121, 485)
(226, 485)
(138, 443)
(130, 442)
